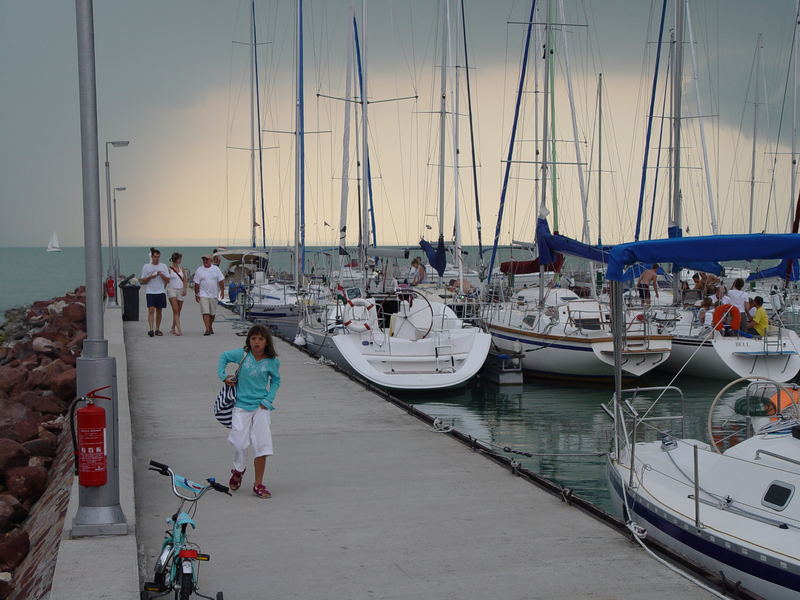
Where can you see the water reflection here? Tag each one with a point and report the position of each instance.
(562, 425)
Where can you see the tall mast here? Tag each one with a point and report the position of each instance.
(299, 159)
(793, 190)
(456, 208)
(443, 112)
(252, 124)
(709, 190)
(677, 74)
(755, 134)
(600, 160)
(345, 156)
(362, 252)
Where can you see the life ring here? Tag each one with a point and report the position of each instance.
(719, 316)
(357, 324)
(782, 400)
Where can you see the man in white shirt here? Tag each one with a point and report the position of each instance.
(155, 275)
(208, 287)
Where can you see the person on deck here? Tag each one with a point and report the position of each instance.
(648, 276)
(420, 273)
(176, 291)
(208, 287)
(156, 276)
(760, 321)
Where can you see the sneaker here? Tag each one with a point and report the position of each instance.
(261, 491)
(236, 479)
(151, 333)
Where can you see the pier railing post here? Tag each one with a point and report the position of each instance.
(99, 511)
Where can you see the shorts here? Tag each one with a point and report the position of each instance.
(208, 306)
(175, 293)
(644, 292)
(249, 429)
(156, 300)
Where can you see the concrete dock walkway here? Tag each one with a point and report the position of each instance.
(368, 502)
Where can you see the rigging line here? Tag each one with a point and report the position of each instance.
(658, 160)
(258, 130)
(472, 134)
(650, 120)
(523, 71)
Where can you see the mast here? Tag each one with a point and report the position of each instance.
(252, 124)
(677, 74)
(709, 191)
(755, 134)
(443, 112)
(362, 251)
(509, 156)
(600, 160)
(456, 208)
(793, 190)
(299, 159)
(345, 157)
(472, 134)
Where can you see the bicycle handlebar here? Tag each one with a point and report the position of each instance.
(165, 470)
(218, 486)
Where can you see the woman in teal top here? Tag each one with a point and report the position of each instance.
(256, 386)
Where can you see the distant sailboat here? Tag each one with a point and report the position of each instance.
(54, 245)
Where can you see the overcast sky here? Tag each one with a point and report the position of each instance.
(172, 80)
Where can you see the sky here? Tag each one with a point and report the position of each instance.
(173, 78)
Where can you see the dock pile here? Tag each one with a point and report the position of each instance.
(39, 345)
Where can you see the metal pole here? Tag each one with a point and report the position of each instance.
(696, 491)
(111, 303)
(99, 511)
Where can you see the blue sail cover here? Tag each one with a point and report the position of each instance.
(548, 244)
(437, 257)
(780, 270)
(712, 248)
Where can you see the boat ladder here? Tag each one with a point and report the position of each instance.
(445, 361)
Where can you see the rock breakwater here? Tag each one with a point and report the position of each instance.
(39, 345)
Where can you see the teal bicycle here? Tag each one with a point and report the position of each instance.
(177, 566)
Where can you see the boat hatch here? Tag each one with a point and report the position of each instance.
(778, 495)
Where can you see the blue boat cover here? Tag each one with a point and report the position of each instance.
(437, 257)
(779, 270)
(712, 248)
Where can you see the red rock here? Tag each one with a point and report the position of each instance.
(75, 312)
(44, 345)
(56, 308)
(27, 483)
(12, 454)
(68, 359)
(14, 547)
(40, 447)
(5, 589)
(77, 340)
(11, 376)
(6, 517)
(20, 512)
(46, 402)
(38, 377)
(55, 367)
(55, 426)
(24, 429)
(64, 384)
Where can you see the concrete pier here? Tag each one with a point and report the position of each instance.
(368, 501)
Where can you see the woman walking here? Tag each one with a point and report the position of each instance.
(257, 383)
(176, 290)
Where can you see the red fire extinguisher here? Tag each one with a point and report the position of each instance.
(110, 288)
(90, 449)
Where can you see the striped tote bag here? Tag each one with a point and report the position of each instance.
(223, 404)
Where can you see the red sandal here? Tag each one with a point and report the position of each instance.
(261, 491)
(236, 479)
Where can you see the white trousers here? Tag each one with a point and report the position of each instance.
(249, 428)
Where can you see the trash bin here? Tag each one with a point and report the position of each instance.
(130, 301)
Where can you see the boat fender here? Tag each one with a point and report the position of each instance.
(781, 401)
(357, 324)
(719, 317)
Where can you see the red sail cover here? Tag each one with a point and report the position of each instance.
(521, 267)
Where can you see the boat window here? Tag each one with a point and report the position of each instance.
(778, 495)
(529, 321)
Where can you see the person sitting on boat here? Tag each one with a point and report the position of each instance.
(466, 286)
(739, 298)
(720, 296)
(760, 321)
(647, 277)
(419, 271)
(706, 314)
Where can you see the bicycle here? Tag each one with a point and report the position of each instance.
(177, 565)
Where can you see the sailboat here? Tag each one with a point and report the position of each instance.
(53, 245)
(731, 507)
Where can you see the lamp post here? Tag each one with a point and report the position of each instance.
(116, 238)
(111, 270)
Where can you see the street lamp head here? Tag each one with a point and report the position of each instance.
(119, 143)
(120, 189)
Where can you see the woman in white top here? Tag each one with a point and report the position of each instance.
(176, 290)
(738, 299)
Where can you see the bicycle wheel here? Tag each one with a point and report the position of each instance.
(186, 586)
